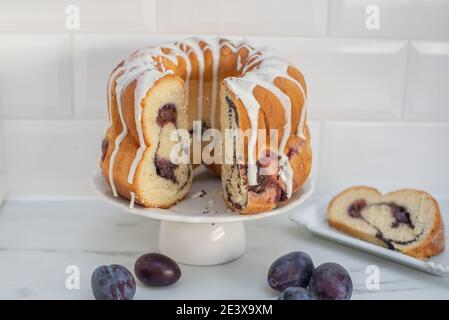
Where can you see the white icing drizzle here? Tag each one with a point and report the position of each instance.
(302, 121)
(145, 81)
(215, 47)
(194, 44)
(239, 62)
(129, 72)
(178, 49)
(266, 67)
(237, 47)
(244, 91)
(138, 66)
(175, 51)
(132, 201)
(261, 67)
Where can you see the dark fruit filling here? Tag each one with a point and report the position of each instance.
(388, 242)
(104, 148)
(269, 179)
(265, 182)
(165, 168)
(235, 168)
(235, 205)
(166, 114)
(269, 160)
(355, 209)
(232, 107)
(292, 152)
(280, 194)
(399, 213)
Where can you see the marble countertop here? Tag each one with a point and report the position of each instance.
(39, 239)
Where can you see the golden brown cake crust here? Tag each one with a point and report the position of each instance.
(433, 244)
(301, 163)
(298, 148)
(128, 149)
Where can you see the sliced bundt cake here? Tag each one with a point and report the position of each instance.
(220, 85)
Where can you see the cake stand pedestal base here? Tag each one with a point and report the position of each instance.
(189, 235)
(202, 244)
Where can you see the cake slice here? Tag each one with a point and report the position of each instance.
(408, 221)
(137, 160)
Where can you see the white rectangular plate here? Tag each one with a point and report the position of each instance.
(313, 218)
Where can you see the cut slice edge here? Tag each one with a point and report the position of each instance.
(407, 220)
(160, 181)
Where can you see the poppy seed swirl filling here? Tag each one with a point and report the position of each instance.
(166, 114)
(204, 86)
(165, 168)
(399, 218)
(237, 181)
(233, 182)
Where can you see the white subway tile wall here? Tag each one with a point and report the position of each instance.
(315, 130)
(3, 180)
(94, 16)
(249, 17)
(35, 77)
(51, 157)
(428, 82)
(385, 155)
(348, 78)
(378, 98)
(94, 58)
(426, 19)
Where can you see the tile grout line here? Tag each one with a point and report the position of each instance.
(320, 157)
(328, 19)
(406, 82)
(442, 123)
(234, 35)
(155, 16)
(72, 64)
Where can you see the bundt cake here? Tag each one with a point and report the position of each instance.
(201, 86)
(406, 220)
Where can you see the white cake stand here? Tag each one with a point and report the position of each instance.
(200, 230)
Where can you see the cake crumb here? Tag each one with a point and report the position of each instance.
(199, 194)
